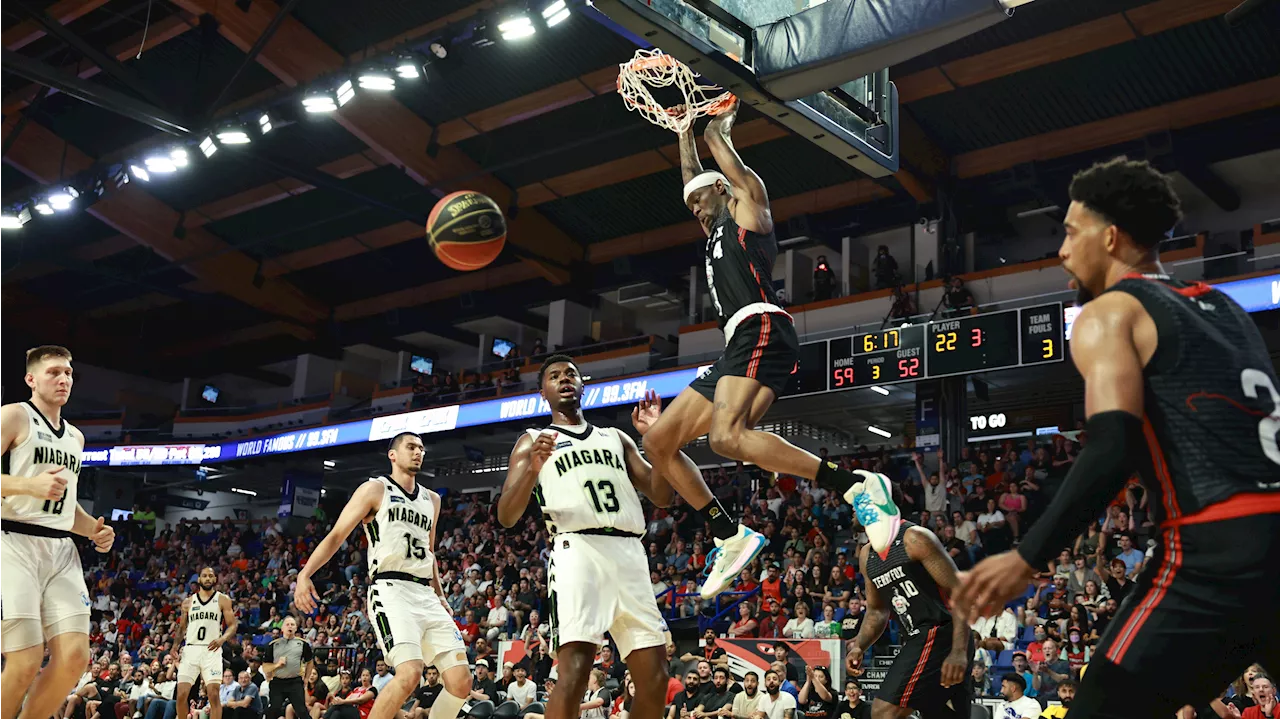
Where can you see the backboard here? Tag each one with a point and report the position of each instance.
(856, 121)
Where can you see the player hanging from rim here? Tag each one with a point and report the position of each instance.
(585, 479)
(761, 352)
(202, 616)
(46, 603)
(411, 618)
(1179, 387)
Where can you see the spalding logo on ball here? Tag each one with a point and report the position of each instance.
(466, 230)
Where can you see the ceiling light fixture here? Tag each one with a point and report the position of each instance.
(876, 430)
(377, 82)
(440, 48)
(264, 123)
(329, 464)
(555, 13)
(208, 146)
(160, 164)
(345, 93)
(179, 157)
(44, 208)
(407, 67)
(879, 390)
(15, 221)
(61, 199)
(233, 136)
(140, 173)
(517, 27)
(248, 492)
(319, 102)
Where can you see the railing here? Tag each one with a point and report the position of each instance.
(671, 596)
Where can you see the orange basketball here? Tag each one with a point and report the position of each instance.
(466, 230)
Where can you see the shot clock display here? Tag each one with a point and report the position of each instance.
(997, 340)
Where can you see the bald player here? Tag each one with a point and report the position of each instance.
(201, 623)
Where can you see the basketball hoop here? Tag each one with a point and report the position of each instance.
(654, 68)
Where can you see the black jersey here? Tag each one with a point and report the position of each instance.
(739, 265)
(1211, 399)
(907, 586)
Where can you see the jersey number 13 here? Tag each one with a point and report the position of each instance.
(602, 495)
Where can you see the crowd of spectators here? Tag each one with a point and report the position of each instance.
(805, 584)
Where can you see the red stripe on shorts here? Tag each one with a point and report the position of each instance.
(920, 665)
(1168, 568)
(766, 323)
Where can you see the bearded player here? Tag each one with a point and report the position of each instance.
(1180, 388)
(203, 616)
(411, 619)
(46, 603)
(584, 479)
(761, 352)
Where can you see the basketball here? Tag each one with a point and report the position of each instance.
(466, 230)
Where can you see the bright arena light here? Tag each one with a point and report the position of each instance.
(516, 28)
(556, 13)
(876, 430)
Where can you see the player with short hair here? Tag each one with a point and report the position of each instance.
(584, 479)
(1180, 388)
(200, 626)
(45, 600)
(761, 352)
(406, 604)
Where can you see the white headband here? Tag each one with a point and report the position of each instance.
(705, 179)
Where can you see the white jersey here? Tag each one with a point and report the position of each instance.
(204, 620)
(400, 532)
(43, 449)
(584, 484)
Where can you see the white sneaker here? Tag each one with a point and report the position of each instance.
(872, 501)
(729, 558)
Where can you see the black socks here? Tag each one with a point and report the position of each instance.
(831, 477)
(721, 526)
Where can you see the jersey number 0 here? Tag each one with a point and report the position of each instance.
(602, 489)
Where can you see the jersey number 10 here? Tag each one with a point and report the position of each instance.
(602, 489)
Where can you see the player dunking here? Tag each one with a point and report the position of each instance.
(932, 672)
(1179, 387)
(760, 354)
(584, 479)
(203, 616)
(45, 601)
(411, 619)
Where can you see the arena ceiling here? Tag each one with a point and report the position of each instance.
(309, 239)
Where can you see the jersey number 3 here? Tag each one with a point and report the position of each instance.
(604, 492)
(1253, 381)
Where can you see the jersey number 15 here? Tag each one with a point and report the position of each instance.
(602, 490)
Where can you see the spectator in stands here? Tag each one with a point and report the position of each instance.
(800, 626)
(419, 706)
(956, 548)
(902, 307)
(824, 280)
(959, 300)
(827, 627)
(522, 691)
(1132, 558)
(382, 675)
(817, 700)
(884, 268)
(1117, 581)
(539, 348)
(746, 702)
(719, 698)
(1264, 693)
(993, 529)
(851, 705)
(689, 700)
(484, 687)
(774, 702)
(1066, 695)
(745, 626)
(1014, 505)
(997, 633)
(1016, 704)
(243, 702)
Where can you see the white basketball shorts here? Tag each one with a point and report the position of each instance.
(600, 584)
(411, 624)
(199, 663)
(43, 581)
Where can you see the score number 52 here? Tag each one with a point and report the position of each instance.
(907, 368)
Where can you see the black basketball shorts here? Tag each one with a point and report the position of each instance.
(915, 679)
(763, 347)
(1205, 607)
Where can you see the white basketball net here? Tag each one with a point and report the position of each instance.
(654, 68)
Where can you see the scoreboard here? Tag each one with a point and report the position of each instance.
(978, 343)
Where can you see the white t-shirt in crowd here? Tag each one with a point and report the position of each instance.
(523, 696)
(1021, 708)
(775, 707)
(990, 518)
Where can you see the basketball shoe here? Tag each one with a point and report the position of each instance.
(872, 501)
(729, 558)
